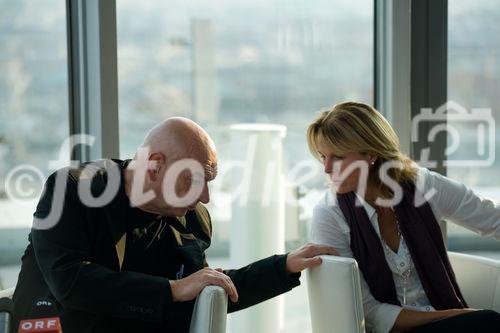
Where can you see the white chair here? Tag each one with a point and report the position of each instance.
(210, 311)
(7, 293)
(209, 314)
(335, 293)
(335, 296)
(479, 280)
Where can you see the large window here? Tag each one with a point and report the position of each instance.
(220, 63)
(233, 61)
(473, 81)
(33, 114)
(228, 62)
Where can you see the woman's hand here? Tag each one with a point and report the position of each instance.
(455, 312)
(409, 319)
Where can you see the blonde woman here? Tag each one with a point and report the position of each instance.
(383, 210)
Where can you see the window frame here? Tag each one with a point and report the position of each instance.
(93, 77)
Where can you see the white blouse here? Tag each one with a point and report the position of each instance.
(451, 201)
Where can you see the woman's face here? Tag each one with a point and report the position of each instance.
(344, 171)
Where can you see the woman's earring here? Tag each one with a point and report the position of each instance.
(373, 162)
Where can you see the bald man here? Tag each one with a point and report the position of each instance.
(119, 246)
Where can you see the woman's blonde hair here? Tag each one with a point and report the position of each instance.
(352, 127)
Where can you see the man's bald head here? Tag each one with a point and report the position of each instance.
(178, 142)
(178, 138)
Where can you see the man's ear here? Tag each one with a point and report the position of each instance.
(156, 162)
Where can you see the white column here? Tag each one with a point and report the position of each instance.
(257, 222)
(205, 90)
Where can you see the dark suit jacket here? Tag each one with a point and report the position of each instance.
(75, 263)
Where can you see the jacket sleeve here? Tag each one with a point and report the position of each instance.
(261, 281)
(63, 256)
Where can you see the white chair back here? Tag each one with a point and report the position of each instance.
(210, 311)
(479, 280)
(7, 293)
(335, 296)
(335, 299)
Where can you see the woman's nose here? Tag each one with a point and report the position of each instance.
(328, 165)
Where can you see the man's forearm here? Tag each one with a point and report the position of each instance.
(260, 281)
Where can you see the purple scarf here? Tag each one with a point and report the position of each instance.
(423, 237)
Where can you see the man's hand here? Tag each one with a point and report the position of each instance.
(188, 288)
(306, 257)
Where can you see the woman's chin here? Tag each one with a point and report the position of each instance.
(339, 189)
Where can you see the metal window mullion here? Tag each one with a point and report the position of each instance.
(411, 68)
(392, 65)
(73, 29)
(93, 83)
(429, 79)
(429, 72)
